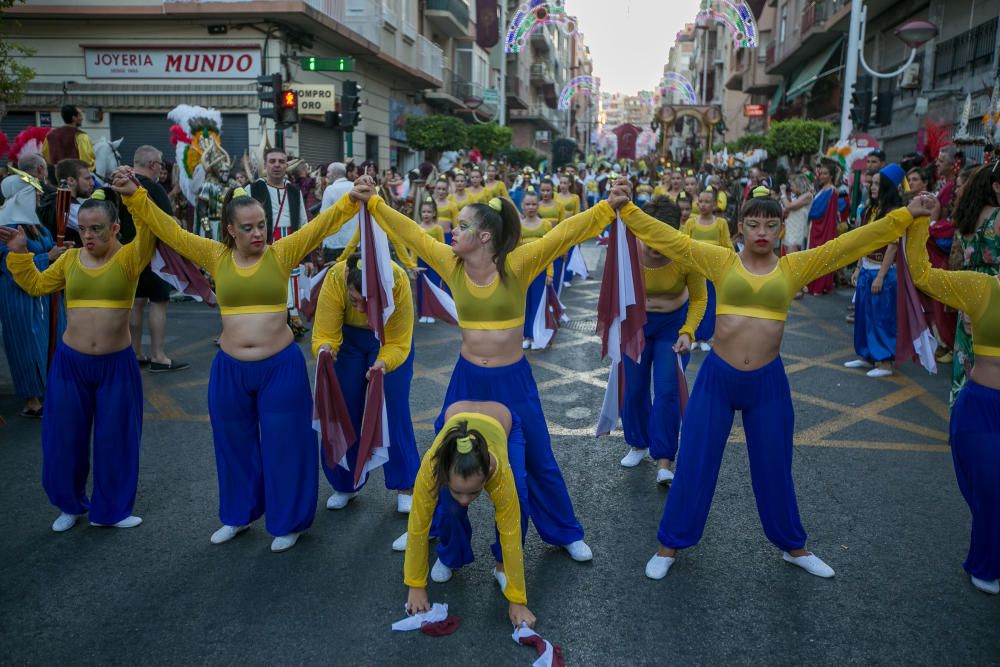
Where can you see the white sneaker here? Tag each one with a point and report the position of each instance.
(658, 566)
(226, 533)
(525, 344)
(879, 372)
(579, 551)
(991, 587)
(422, 320)
(127, 522)
(811, 563)
(566, 284)
(399, 544)
(440, 572)
(338, 500)
(403, 503)
(564, 318)
(501, 579)
(64, 522)
(285, 542)
(431, 320)
(664, 475)
(705, 347)
(857, 363)
(633, 458)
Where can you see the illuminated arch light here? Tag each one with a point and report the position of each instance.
(532, 15)
(736, 16)
(674, 82)
(581, 84)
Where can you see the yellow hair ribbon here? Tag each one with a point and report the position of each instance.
(239, 192)
(428, 199)
(495, 204)
(464, 444)
(360, 266)
(530, 190)
(99, 195)
(761, 191)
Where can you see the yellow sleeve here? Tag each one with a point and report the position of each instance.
(399, 328)
(437, 255)
(503, 493)
(808, 265)
(500, 190)
(725, 240)
(529, 260)
(697, 302)
(352, 245)
(707, 259)
(329, 318)
(418, 525)
(687, 228)
(436, 233)
(39, 283)
(203, 252)
(722, 201)
(967, 291)
(85, 149)
(294, 247)
(135, 255)
(45, 153)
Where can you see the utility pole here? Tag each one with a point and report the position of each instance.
(850, 69)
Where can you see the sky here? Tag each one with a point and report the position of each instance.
(630, 40)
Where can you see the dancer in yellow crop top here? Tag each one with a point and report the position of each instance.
(429, 223)
(475, 189)
(707, 228)
(532, 229)
(474, 451)
(461, 196)
(93, 383)
(744, 371)
(548, 208)
(567, 198)
(447, 211)
(495, 186)
(489, 275)
(975, 416)
(259, 395)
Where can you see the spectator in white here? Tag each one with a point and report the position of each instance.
(146, 164)
(334, 244)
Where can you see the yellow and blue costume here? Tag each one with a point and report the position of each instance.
(536, 291)
(717, 234)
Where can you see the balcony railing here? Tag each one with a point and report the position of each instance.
(430, 58)
(409, 30)
(332, 8)
(769, 58)
(965, 52)
(365, 19)
(457, 8)
(541, 73)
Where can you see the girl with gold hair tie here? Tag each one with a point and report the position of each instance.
(532, 229)
(259, 396)
(461, 196)
(476, 189)
(744, 371)
(94, 389)
(494, 183)
(447, 211)
(708, 228)
(428, 222)
(570, 202)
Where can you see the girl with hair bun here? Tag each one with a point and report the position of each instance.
(744, 370)
(494, 184)
(259, 395)
(93, 388)
(489, 275)
(461, 195)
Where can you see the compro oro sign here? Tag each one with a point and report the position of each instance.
(122, 61)
(315, 99)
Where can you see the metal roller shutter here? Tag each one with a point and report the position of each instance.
(319, 144)
(153, 129)
(13, 123)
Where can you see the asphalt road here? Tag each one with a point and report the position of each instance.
(872, 468)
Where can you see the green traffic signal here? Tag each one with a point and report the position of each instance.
(314, 64)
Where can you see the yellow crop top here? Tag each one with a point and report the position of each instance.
(768, 296)
(975, 294)
(717, 233)
(480, 197)
(499, 305)
(670, 280)
(570, 204)
(261, 288)
(462, 203)
(529, 234)
(334, 310)
(111, 285)
(434, 232)
(552, 211)
(447, 212)
(498, 189)
(499, 487)
(406, 257)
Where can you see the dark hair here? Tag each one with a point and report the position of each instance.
(888, 199)
(108, 206)
(70, 168)
(664, 210)
(924, 174)
(349, 167)
(428, 201)
(448, 460)
(68, 111)
(354, 271)
(877, 153)
(230, 204)
(762, 207)
(505, 226)
(274, 150)
(977, 194)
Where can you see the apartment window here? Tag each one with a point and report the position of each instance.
(782, 24)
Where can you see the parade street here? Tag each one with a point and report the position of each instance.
(875, 484)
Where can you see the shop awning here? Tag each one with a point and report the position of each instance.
(813, 71)
(776, 98)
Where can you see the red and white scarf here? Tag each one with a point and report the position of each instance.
(436, 303)
(914, 340)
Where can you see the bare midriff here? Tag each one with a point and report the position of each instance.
(255, 336)
(492, 347)
(97, 330)
(747, 343)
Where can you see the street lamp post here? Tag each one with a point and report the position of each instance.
(912, 33)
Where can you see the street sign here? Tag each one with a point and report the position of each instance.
(315, 99)
(490, 96)
(754, 110)
(341, 64)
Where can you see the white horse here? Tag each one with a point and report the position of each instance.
(106, 158)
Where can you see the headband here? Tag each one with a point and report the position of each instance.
(761, 191)
(239, 192)
(360, 266)
(98, 194)
(464, 444)
(495, 204)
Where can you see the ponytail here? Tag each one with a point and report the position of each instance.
(235, 198)
(464, 452)
(500, 218)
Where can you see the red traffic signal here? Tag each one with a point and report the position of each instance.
(290, 100)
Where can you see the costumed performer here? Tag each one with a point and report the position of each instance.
(571, 206)
(707, 227)
(532, 229)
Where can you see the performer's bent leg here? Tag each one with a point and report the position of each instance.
(515, 455)
(665, 420)
(454, 531)
(351, 365)
(636, 406)
(404, 461)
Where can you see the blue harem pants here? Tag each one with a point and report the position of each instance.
(763, 396)
(265, 446)
(875, 317)
(706, 328)
(534, 296)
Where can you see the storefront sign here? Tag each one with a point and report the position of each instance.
(156, 62)
(315, 99)
(754, 110)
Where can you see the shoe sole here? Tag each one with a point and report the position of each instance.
(169, 370)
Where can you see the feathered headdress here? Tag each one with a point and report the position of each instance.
(936, 137)
(4, 145)
(29, 140)
(196, 119)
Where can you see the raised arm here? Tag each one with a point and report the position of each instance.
(808, 265)
(529, 260)
(402, 252)
(437, 255)
(135, 255)
(294, 247)
(329, 321)
(709, 260)
(203, 252)
(399, 328)
(39, 283)
(967, 291)
(725, 239)
(697, 302)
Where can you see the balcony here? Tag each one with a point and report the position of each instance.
(823, 23)
(517, 87)
(448, 17)
(430, 58)
(365, 19)
(541, 41)
(961, 55)
(540, 116)
(541, 74)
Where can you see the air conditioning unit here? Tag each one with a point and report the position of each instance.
(910, 77)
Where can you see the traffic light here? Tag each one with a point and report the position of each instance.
(289, 108)
(350, 104)
(861, 103)
(331, 119)
(269, 96)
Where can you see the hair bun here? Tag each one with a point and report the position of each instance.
(99, 195)
(464, 444)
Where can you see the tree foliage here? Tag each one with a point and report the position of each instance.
(797, 136)
(14, 76)
(436, 133)
(490, 138)
(521, 157)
